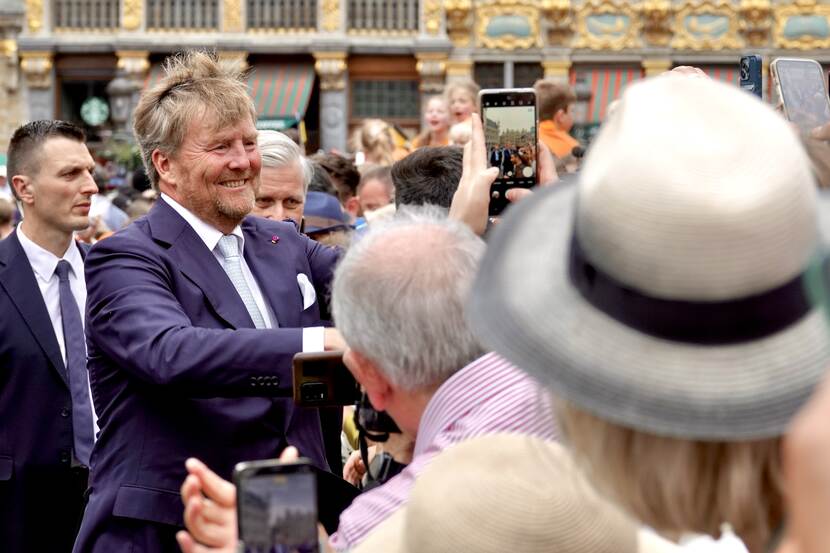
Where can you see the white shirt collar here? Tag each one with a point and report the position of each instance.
(209, 234)
(44, 262)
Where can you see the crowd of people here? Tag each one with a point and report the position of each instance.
(630, 360)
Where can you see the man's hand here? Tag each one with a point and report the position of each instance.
(333, 340)
(472, 198)
(209, 511)
(354, 469)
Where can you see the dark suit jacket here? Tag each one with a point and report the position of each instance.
(177, 368)
(41, 496)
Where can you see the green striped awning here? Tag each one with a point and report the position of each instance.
(280, 92)
(607, 84)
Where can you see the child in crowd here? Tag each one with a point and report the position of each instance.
(555, 118)
(437, 119)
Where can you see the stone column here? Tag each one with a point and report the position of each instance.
(558, 70)
(38, 71)
(432, 67)
(656, 66)
(332, 69)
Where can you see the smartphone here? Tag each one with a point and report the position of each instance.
(322, 380)
(277, 506)
(751, 75)
(800, 84)
(508, 116)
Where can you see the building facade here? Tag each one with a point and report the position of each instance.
(333, 63)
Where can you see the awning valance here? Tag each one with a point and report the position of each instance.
(281, 92)
(607, 85)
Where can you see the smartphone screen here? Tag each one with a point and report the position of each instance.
(277, 507)
(510, 135)
(801, 84)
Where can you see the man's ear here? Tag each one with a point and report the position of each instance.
(161, 161)
(352, 206)
(368, 375)
(22, 186)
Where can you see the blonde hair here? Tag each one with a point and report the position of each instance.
(425, 138)
(195, 83)
(465, 85)
(680, 486)
(374, 139)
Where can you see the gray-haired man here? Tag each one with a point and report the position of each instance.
(398, 298)
(284, 178)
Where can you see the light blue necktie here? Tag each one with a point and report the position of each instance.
(73, 339)
(229, 248)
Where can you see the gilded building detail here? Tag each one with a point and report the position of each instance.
(232, 16)
(34, 15)
(459, 21)
(432, 17)
(657, 21)
(331, 68)
(133, 11)
(37, 68)
(331, 15)
(432, 67)
(559, 17)
(134, 63)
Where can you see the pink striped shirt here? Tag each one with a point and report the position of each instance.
(487, 396)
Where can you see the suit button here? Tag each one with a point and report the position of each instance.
(65, 457)
(65, 412)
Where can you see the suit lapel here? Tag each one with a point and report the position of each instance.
(18, 280)
(274, 271)
(198, 263)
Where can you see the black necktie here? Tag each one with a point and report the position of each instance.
(73, 339)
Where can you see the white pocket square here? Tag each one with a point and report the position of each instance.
(307, 290)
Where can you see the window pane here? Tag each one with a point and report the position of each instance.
(386, 99)
(525, 74)
(489, 75)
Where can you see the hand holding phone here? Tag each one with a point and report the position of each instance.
(277, 506)
(511, 138)
(801, 86)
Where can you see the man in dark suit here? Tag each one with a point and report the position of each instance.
(496, 158)
(507, 165)
(194, 314)
(43, 454)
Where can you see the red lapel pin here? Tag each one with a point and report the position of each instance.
(275, 239)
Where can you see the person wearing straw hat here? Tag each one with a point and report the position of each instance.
(662, 301)
(507, 492)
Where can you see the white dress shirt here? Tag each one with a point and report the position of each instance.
(43, 264)
(313, 337)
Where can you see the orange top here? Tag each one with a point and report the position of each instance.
(421, 142)
(558, 141)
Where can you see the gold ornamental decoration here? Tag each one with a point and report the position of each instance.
(507, 27)
(607, 25)
(803, 26)
(707, 25)
(756, 21)
(331, 15)
(136, 63)
(432, 17)
(232, 16)
(658, 26)
(132, 14)
(34, 15)
(431, 67)
(559, 16)
(331, 68)
(37, 68)
(459, 21)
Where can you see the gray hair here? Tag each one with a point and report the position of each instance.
(278, 150)
(399, 294)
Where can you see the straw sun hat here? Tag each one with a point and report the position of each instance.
(665, 291)
(508, 492)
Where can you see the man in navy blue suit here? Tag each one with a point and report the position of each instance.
(46, 422)
(194, 314)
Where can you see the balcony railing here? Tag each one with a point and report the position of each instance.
(182, 14)
(266, 15)
(86, 14)
(389, 15)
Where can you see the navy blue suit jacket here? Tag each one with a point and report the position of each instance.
(177, 368)
(41, 496)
